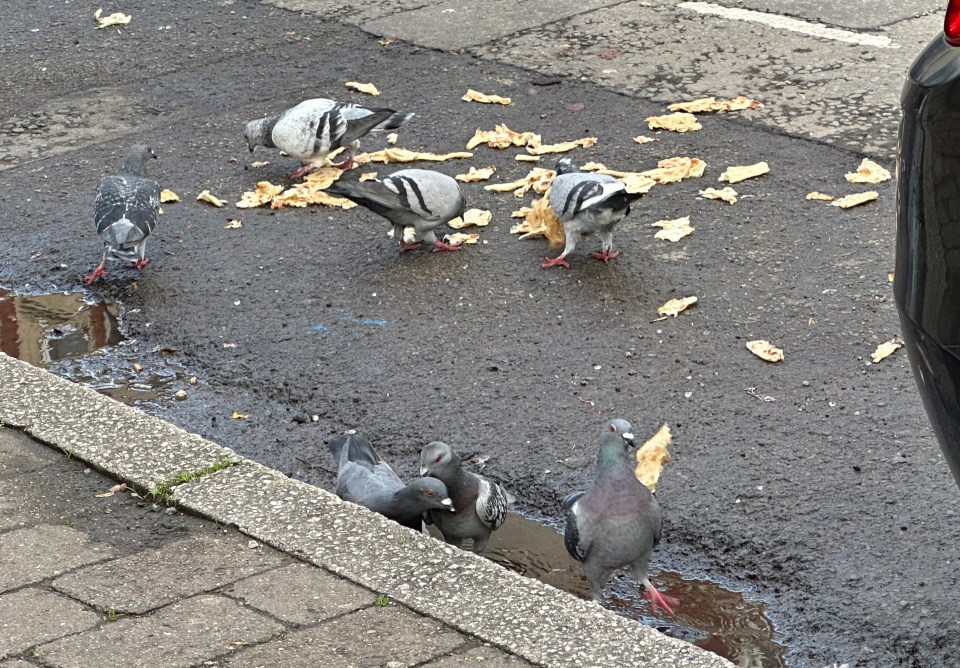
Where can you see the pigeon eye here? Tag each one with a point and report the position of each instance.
(428, 492)
(437, 460)
(612, 428)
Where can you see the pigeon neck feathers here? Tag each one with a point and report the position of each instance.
(613, 454)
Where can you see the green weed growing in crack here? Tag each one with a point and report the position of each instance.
(163, 492)
(112, 615)
(382, 601)
(68, 453)
(69, 523)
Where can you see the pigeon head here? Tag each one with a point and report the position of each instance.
(136, 159)
(621, 428)
(565, 166)
(436, 459)
(257, 133)
(430, 494)
(250, 135)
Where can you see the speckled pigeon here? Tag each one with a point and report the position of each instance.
(315, 128)
(365, 479)
(616, 522)
(418, 198)
(481, 504)
(587, 204)
(126, 211)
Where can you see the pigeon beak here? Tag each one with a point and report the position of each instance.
(251, 148)
(423, 470)
(628, 437)
(449, 504)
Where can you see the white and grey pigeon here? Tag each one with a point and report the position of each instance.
(617, 522)
(126, 211)
(481, 505)
(365, 479)
(418, 198)
(587, 204)
(314, 128)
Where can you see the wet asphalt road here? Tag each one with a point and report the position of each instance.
(831, 501)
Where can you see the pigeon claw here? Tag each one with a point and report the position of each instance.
(605, 255)
(301, 172)
(440, 246)
(410, 245)
(140, 264)
(658, 600)
(555, 262)
(96, 273)
(348, 163)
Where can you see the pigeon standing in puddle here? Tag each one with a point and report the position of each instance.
(617, 522)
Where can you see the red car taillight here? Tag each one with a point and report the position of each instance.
(951, 23)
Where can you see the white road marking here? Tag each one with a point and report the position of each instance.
(794, 25)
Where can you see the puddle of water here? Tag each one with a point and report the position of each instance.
(60, 331)
(709, 616)
(43, 329)
(128, 386)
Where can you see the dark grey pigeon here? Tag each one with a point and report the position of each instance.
(365, 479)
(418, 198)
(587, 204)
(481, 505)
(126, 211)
(314, 128)
(617, 522)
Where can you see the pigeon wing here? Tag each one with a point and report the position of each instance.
(359, 450)
(578, 535)
(126, 210)
(577, 192)
(360, 125)
(310, 128)
(491, 504)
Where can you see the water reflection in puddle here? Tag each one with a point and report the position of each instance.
(60, 331)
(43, 329)
(714, 618)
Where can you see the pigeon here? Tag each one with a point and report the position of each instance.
(481, 505)
(617, 522)
(317, 127)
(587, 203)
(126, 211)
(365, 479)
(418, 198)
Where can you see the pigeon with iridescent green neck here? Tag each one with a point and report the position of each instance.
(617, 522)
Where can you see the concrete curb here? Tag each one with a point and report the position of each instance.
(525, 617)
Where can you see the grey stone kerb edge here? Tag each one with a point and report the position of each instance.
(526, 617)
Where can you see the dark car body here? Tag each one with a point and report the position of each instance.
(927, 275)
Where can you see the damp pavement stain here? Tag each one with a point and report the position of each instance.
(81, 340)
(722, 621)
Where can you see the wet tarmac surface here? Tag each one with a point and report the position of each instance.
(830, 504)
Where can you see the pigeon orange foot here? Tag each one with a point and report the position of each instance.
(95, 274)
(348, 163)
(439, 246)
(658, 600)
(555, 262)
(605, 256)
(300, 172)
(410, 245)
(140, 264)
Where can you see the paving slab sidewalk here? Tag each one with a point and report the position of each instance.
(264, 570)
